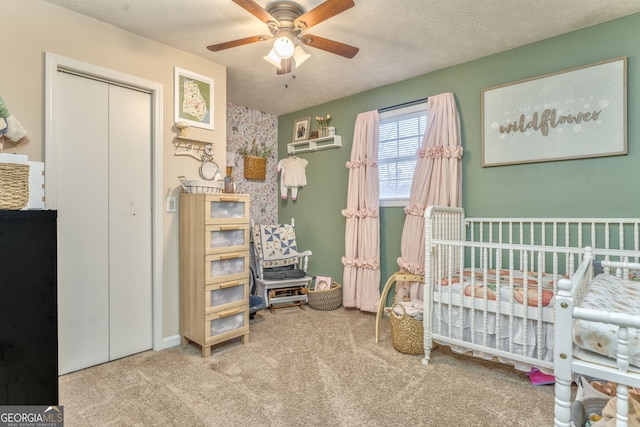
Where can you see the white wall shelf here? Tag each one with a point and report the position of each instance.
(185, 146)
(314, 144)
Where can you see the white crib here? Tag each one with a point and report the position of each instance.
(490, 283)
(619, 363)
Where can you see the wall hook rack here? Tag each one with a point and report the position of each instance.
(191, 147)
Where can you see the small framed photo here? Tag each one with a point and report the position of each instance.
(323, 283)
(301, 129)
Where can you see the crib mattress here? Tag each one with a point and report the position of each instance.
(609, 293)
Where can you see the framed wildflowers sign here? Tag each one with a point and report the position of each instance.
(571, 114)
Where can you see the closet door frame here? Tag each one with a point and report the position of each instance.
(54, 63)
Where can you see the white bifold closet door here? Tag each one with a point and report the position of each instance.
(103, 151)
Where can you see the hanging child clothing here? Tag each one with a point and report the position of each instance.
(292, 176)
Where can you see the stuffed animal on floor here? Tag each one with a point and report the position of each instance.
(10, 128)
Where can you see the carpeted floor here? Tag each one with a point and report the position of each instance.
(303, 368)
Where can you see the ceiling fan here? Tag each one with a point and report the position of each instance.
(286, 21)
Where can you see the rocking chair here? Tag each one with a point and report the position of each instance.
(281, 271)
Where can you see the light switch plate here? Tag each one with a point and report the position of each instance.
(171, 204)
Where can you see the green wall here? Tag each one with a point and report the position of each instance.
(598, 187)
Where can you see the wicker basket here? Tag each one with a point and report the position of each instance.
(14, 186)
(255, 167)
(326, 300)
(194, 186)
(407, 334)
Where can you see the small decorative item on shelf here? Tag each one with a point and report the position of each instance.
(182, 128)
(231, 157)
(228, 185)
(255, 160)
(323, 122)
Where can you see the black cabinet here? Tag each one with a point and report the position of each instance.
(28, 308)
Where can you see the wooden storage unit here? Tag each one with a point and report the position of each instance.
(214, 268)
(28, 308)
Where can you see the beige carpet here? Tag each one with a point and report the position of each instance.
(303, 368)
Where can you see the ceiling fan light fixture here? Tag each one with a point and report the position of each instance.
(283, 47)
(300, 56)
(286, 20)
(273, 59)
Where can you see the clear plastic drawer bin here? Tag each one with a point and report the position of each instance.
(227, 322)
(226, 293)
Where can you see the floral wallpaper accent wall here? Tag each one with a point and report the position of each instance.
(243, 126)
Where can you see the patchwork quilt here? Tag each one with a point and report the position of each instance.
(276, 244)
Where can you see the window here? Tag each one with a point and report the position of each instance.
(401, 134)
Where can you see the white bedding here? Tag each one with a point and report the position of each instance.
(441, 322)
(459, 324)
(611, 294)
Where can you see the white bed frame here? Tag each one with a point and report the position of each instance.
(551, 245)
(567, 364)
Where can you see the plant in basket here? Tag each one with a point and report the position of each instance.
(255, 159)
(256, 150)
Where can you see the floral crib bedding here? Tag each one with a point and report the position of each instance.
(609, 293)
(538, 290)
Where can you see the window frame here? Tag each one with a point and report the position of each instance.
(390, 114)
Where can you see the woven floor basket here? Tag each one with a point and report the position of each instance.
(14, 186)
(255, 167)
(407, 333)
(329, 299)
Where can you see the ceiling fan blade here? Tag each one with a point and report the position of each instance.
(329, 45)
(322, 12)
(285, 66)
(256, 10)
(239, 42)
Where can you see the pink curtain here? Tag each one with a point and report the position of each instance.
(437, 180)
(361, 277)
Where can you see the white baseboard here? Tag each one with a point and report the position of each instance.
(169, 342)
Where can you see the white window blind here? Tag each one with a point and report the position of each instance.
(401, 134)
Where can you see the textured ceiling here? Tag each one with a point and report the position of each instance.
(398, 39)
